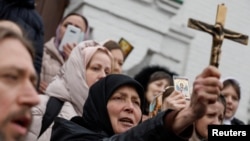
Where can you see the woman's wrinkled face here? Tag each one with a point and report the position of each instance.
(232, 101)
(213, 116)
(124, 109)
(98, 67)
(155, 88)
(118, 60)
(74, 20)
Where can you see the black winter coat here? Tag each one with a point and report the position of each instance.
(236, 121)
(150, 130)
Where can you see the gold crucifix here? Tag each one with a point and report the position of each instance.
(218, 32)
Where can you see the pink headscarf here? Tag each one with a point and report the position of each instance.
(70, 83)
(88, 52)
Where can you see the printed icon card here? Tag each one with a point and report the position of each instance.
(181, 84)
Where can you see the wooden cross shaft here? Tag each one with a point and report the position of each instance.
(219, 33)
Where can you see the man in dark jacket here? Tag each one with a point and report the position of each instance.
(23, 13)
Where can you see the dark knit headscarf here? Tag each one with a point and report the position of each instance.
(95, 114)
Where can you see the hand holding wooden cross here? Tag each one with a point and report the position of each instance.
(219, 33)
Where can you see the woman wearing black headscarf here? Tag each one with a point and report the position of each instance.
(113, 112)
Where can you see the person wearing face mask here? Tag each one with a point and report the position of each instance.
(87, 63)
(231, 92)
(53, 58)
(113, 112)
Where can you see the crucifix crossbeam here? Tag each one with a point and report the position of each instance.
(219, 33)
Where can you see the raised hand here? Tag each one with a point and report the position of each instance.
(67, 48)
(206, 89)
(175, 101)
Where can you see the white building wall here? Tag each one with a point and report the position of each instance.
(151, 24)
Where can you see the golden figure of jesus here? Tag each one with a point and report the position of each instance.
(219, 33)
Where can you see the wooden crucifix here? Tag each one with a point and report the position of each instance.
(218, 32)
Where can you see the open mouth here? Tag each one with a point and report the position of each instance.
(127, 121)
(21, 124)
(229, 109)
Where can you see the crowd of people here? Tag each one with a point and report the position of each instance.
(81, 93)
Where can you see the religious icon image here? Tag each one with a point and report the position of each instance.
(181, 85)
(126, 47)
(155, 105)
